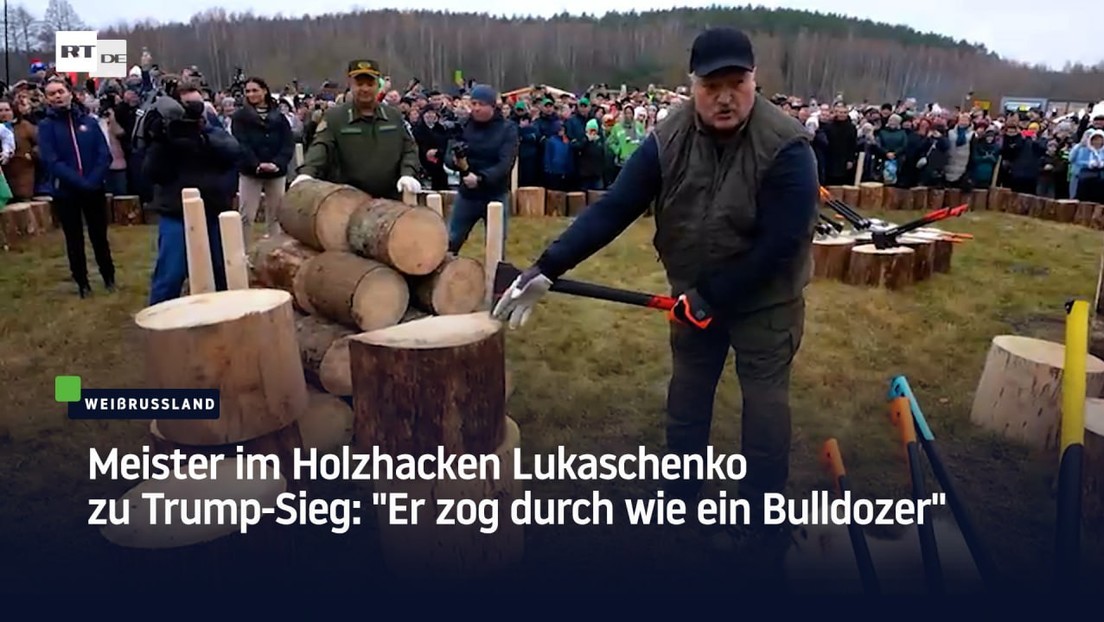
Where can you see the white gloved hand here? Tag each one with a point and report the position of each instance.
(299, 178)
(408, 184)
(518, 300)
(921, 163)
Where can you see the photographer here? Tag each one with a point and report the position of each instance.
(484, 157)
(185, 151)
(115, 134)
(265, 138)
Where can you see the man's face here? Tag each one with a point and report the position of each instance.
(548, 109)
(723, 99)
(430, 117)
(1098, 123)
(436, 100)
(482, 111)
(963, 120)
(627, 116)
(131, 97)
(365, 90)
(840, 113)
(803, 114)
(6, 113)
(58, 95)
(393, 98)
(227, 107)
(584, 109)
(193, 96)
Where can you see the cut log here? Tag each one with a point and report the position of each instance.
(1036, 207)
(53, 209)
(906, 199)
(1097, 221)
(317, 212)
(277, 262)
(1092, 492)
(593, 196)
(891, 268)
(1065, 210)
(43, 217)
(448, 197)
(455, 287)
(282, 443)
(355, 291)
(831, 256)
(872, 196)
(241, 342)
(1084, 214)
(412, 240)
(1001, 200)
(943, 251)
(919, 196)
(324, 352)
(1019, 395)
(17, 224)
(979, 200)
(836, 192)
(952, 197)
(438, 381)
(128, 210)
(142, 532)
(935, 198)
(530, 201)
(1021, 204)
(555, 203)
(426, 551)
(895, 198)
(924, 260)
(851, 196)
(328, 424)
(576, 203)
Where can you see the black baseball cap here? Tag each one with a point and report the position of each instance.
(721, 48)
(364, 67)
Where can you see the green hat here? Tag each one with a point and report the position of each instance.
(520, 105)
(364, 67)
(592, 124)
(547, 101)
(584, 102)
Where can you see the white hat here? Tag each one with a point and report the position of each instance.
(661, 115)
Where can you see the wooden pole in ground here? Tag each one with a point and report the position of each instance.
(201, 272)
(233, 250)
(434, 202)
(410, 198)
(494, 250)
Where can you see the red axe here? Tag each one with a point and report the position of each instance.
(506, 273)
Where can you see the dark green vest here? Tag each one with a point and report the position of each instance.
(706, 209)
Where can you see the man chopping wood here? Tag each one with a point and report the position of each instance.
(363, 142)
(734, 181)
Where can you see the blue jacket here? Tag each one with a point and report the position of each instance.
(73, 150)
(557, 157)
(492, 148)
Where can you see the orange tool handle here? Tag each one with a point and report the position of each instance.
(900, 414)
(832, 459)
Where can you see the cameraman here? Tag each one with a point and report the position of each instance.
(484, 157)
(185, 151)
(116, 180)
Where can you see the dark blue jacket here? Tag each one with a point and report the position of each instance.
(263, 139)
(492, 148)
(557, 157)
(74, 151)
(198, 161)
(548, 126)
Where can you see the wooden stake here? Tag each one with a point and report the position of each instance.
(494, 250)
(410, 198)
(201, 272)
(233, 250)
(435, 203)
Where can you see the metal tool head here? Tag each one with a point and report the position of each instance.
(883, 240)
(505, 274)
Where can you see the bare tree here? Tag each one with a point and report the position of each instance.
(23, 29)
(60, 16)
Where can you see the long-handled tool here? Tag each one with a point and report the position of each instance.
(833, 462)
(849, 214)
(828, 225)
(506, 273)
(887, 238)
(1068, 524)
(899, 388)
(900, 415)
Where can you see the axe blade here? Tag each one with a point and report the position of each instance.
(505, 274)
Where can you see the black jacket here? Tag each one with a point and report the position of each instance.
(436, 137)
(195, 161)
(263, 139)
(492, 148)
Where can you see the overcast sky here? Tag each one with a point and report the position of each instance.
(1023, 30)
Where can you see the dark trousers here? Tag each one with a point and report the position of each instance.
(467, 212)
(172, 258)
(74, 212)
(764, 343)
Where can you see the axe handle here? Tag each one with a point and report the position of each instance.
(612, 294)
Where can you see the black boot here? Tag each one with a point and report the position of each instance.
(109, 285)
(84, 289)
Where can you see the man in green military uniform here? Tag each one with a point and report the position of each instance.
(363, 142)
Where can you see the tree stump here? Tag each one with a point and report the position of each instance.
(1084, 214)
(1019, 395)
(1065, 210)
(530, 201)
(241, 342)
(872, 196)
(427, 551)
(1097, 221)
(439, 381)
(952, 197)
(456, 287)
(979, 200)
(1037, 207)
(1092, 492)
(836, 192)
(1021, 204)
(328, 424)
(891, 268)
(277, 262)
(924, 261)
(935, 198)
(593, 196)
(576, 203)
(317, 213)
(128, 210)
(851, 196)
(448, 197)
(17, 224)
(943, 251)
(1000, 200)
(354, 291)
(324, 352)
(555, 203)
(43, 217)
(906, 199)
(919, 197)
(895, 198)
(831, 257)
(412, 240)
(282, 443)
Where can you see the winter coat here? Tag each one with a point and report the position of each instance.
(20, 170)
(893, 141)
(843, 145)
(983, 160)
(73, 150)
(266, 138)
(1022, 156)
(557, 157)
(199, 161)
(958, 156)
(624, 141)
(427, 137)
(592, 159)
(492, 148)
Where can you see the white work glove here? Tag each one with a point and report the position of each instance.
(408, 184)
(518, 300)
(299, 178)
(921, 163)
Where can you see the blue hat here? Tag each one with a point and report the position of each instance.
(484, 93)
(38, 66)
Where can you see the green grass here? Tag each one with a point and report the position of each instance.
(592, 376)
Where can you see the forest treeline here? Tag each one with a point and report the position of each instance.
(798, 52)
